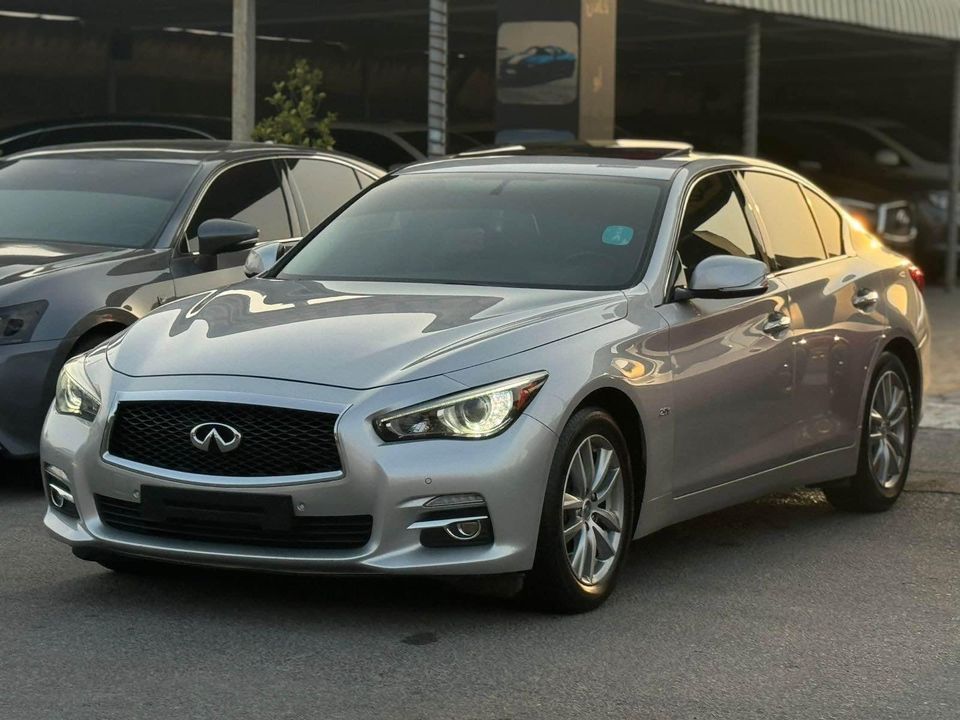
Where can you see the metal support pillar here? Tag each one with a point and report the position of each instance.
(953, 202)
(437, 80)
(751, 95)
(244, 68)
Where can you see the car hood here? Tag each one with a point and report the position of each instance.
(355, 335)
(20, 260)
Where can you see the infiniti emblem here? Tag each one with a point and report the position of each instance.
(225, 437)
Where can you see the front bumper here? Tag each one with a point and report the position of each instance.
(389, 481)
(27, 376)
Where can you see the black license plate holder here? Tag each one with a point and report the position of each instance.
(216, 507)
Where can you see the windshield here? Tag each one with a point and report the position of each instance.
(924, 147)
(114, 202)
(528, 230)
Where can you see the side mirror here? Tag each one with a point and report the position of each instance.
(217, 236)
(723, 276)
(887, 158)
(262, 258)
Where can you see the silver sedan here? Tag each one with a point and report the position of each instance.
(501, 366)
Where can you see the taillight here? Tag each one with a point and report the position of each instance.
(916, 274)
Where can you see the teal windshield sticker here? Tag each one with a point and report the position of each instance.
(617, 235)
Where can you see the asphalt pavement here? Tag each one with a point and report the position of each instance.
(781, 608)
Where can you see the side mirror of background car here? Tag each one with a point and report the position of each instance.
(217, 236)
(262, 258)
(722, 276)
(887, 158)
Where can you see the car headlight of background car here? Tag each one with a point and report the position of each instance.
(76, 393)
(479, 413)
(18, 322)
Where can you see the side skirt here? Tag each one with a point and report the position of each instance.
(660, 512)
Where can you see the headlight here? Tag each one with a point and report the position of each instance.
(479, 413)
(76, 394)
(18, 322)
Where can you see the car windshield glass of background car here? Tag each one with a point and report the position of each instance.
(113, 202)
(528, 230)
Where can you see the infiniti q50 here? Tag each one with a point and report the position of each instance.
(501, 366)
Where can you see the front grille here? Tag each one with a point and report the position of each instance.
(274, 441)
(207, 521)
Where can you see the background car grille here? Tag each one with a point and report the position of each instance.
(275, 441)
(234, 526)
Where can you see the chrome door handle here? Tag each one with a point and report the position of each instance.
(866, 299)
(776, 323)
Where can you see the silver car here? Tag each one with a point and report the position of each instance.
(501, 366)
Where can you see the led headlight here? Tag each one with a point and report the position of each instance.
(76, 394)
(18, 322)
(479, 413)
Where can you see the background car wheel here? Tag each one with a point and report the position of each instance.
(587, 520)
(886, 443)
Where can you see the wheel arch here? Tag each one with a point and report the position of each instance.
(625, 413)
(906, 352)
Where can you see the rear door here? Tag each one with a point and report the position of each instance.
(251, 192)
(835, 317)
(732, 358)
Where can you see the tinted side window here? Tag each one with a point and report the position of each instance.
(323, 186)
(714, 223)
(372, 146)
(249, 193)
(829, 222)
(794, 237)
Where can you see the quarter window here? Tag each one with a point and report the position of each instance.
(714, 223)
(793, 234)
(829, 222)
(248, 193)
(323, 186)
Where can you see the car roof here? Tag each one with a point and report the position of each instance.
(180, 150)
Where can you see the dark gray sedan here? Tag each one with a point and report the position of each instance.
(93, 237)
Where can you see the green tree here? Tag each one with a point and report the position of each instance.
(296, 102)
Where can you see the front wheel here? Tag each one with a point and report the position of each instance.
(886, 443)
(587, 519)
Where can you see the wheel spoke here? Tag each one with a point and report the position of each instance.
(576, 560)
(571, 502)
(896, 445)
(600, 473)
(607, 519)
(608, 485)
(898, 416)
(605, 550)
(572, 530)
(589, 556)
(585, 455)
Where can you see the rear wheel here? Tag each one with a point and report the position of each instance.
(886, 443)
(587, 519)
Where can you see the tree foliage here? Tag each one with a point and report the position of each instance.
(297, 103)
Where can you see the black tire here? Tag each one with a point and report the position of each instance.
(552, 585)
(864, 492)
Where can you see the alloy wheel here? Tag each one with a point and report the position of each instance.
(889, 430)
(593, 510)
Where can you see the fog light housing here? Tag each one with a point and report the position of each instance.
(465, 531)
(59, 493)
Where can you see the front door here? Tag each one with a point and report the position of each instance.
(732, 358)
